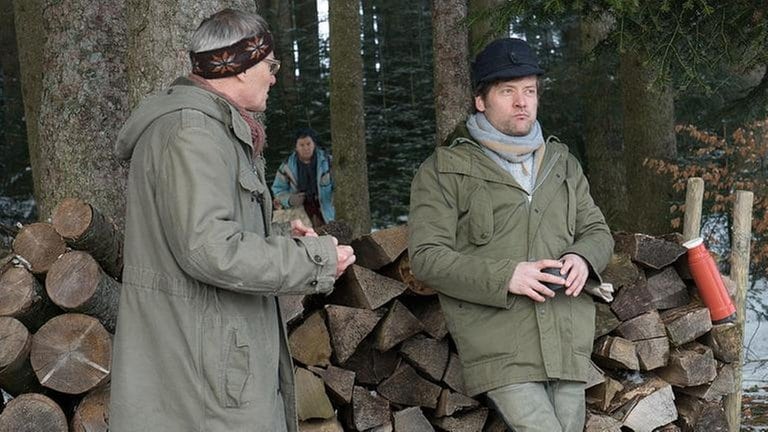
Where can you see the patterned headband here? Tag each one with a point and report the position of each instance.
(233, 59)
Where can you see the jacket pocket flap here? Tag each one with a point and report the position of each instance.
(251, 182)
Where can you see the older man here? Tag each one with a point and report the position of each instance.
(200, 345)
(492, 210)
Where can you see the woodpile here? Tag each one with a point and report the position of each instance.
(375, 355)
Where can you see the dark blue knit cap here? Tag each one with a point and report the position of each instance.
(506, 58)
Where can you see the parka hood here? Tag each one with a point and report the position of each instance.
(182, 94)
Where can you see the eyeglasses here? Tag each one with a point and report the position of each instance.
(274, 65)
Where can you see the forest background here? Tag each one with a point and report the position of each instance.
(645, 94)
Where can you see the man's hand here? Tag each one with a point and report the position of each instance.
(527, 279)
(345, 257)
(298, 229)
(296, 200)
(577, 270)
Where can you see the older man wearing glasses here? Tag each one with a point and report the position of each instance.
(200, 345)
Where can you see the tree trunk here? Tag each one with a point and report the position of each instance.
(158, 40)
(347, 119)
(603, 144)
(281, 15)
(453, 93)
(485, 30)
(308, 41)
(649, 132)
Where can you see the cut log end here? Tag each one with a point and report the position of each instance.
(33, 412)
(72, 217)
(40, 245)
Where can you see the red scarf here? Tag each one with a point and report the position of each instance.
(258, 136)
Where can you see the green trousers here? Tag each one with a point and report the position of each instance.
(551, 406)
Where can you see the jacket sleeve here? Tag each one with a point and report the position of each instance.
(432, 226)
(593, 239)
(197, 195)
(281, 187)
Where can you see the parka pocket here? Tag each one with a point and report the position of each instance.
(572, 206)
(480, 217)
(325, 179)
(251, 183)
(236, 369)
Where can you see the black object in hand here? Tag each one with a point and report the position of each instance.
(556, 272)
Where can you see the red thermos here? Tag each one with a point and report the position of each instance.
(709, 282)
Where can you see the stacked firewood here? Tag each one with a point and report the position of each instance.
(375, 355)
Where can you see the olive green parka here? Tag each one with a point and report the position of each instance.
(470, 224)
(200, 344)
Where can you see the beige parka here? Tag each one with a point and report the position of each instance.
(200, 345)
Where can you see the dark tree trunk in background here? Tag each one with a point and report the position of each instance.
(75, 104)
(648, 133)
(281, 24)
(453, 93)
(158, 40)
(602, 124)
(483, 31)
(308, 41)
(347, 121)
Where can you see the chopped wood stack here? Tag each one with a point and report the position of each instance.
(376, 354)
(58, 302)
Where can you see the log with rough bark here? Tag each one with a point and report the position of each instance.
(615, 352)
(311, 400)
(23, 297)
(339, 382)
(667, 289)
(601, 396)
(76, 283)
(596, 422)
(398, 325)
(401, 270)
(686, 323)
(465, 422)
(645, 326)
(452, 402)
(620, 271)
(428, 311)
(339, 229)
(368, 410)
(652, 411)
(407, 387)
(365, 289)
(291, 308)
(348, 327)
(689, 365)
(39, 245)
(698, 415)
(652, 353)
(723, 384)
(725, 341)
(370, 365)
(411, 420)
(632, 300)
(85, 228)
(33, 412)
(453, 377)
(72, 353)
(427, 355)
(382, 247)
(16, 374)
(650, 251)
(310, 343)
(92, 413)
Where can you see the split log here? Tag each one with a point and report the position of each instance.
(427, 355)
(311, 400)
(368, 410)
(595, 375)
(649, 251)
(723, 384)
(398, 325)
(76, 283)
(451, 402)
(339, 229)
(406, 387)
(698, 415)
(645, 326)
(348, 327)
(605, 319)
(635, 387)
(24, 298)
(39, 245)
(601, 396)
(668, 428)
(620, 271)
(615, 352)
(16, 374)
(632, 300)
(310, 343)
(380, 248)
(428, 311)
(85, 228)
(453, 377)
(401, 270)
(689, 365)
(495, 423)
(470, 422)
(652, 411)
(92, 413)
(411, 420)
(667, 289)
(291, 308)
(601, 423)
(365, 289)
(339, 382)
(33, 412)
(370, 365)
(6, 262)
(324, 425)
(725, 341)
(72, 353)
(652, 353)
(686, 323)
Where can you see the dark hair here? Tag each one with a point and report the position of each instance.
(306, 132)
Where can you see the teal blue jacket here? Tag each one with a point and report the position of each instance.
(285, 182)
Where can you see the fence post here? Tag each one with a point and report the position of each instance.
(694, 197)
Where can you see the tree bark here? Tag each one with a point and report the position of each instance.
(347, 117)
(453, 93)
(308, 41)
(281, 15)
(649, 121)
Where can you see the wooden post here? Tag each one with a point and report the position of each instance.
(740, 245)
(694, 196)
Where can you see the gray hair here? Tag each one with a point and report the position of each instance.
(225, 28)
